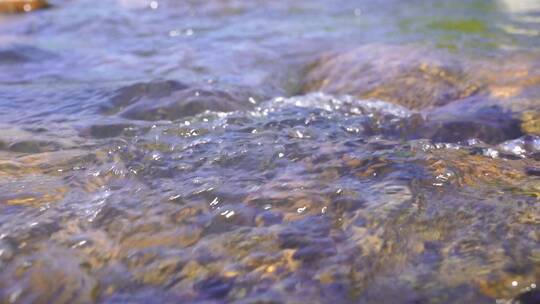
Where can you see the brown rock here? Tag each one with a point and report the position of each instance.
(516, 75)
(466, 169)
(412, 77)
(47, 279)
(34, 199)
(531, 123)
(180, 238)
(21, 6)
(418, 77)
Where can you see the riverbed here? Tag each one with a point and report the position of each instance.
(257, 151)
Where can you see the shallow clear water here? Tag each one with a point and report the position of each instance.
(270, 151)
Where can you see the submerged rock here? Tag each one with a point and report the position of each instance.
(128, 95)
(21, 6)
(106, 130)
(21, 54)
(413, 77)
(420, 78)
(71, 284)
(311, 197)
(472, 118)
(458, 99)
(34, 198)
(25, 142)
(515, 75)
(171, 100)
(530, 297)
(531, 123)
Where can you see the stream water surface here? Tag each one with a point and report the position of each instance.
(256, 151)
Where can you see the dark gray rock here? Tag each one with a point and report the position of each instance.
(530, 297)
(21, 54)
(473, 118)
(34, 146)
(129, 95)
(214, 287)
(172, 100)
(106, 130)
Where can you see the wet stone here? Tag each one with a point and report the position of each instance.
(36, 198)
(298, 237)
(346, 204)
(472, 118)
(147, 295)
(173, 100)
(533, 171)
(526, 146)
(225, 219)
(164, 271)
(516, 77)
(410, 76)
(106, 130)
(128, 95)
(529, 297)
(268, 218)
(21, 54)
(531, 123)
(420, 78)
(21, 6)
(185, 237)
(70, 284)
(314, 252)
(34, 146)
(343, 216)
(214, 287)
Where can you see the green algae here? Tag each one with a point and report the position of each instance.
(464, 26)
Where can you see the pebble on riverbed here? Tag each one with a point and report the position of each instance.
(21, 6)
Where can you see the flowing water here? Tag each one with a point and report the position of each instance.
(317, 151)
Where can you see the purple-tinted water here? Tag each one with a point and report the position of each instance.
(270, 152)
